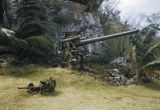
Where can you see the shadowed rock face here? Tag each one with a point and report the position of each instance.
(84, 2)
(78, 20)
(87, 23)
(92, 5)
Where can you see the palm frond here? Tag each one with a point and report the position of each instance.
(152, 48)
(147, 34)
(155, 62)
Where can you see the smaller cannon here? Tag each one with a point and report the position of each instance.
(46, 86)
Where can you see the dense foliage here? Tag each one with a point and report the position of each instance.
(33, 32)
(32, 19)
(147, 51)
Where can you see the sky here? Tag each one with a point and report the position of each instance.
(137, 7)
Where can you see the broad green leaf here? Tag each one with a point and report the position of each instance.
(152, 48)
(155, 62)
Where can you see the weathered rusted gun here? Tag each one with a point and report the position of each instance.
(71, 43)
(46, 86)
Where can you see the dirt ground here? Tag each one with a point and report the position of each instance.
(75, 92)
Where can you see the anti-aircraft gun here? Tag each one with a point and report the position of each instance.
(73, 55)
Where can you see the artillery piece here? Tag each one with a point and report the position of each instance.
(72, 41)
(46, 86)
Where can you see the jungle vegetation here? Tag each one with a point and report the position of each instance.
(35, 34)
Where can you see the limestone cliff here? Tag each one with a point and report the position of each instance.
(75, 16)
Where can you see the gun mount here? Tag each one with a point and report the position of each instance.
(71, 44)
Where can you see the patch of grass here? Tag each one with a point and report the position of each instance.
(74, 92)
(154, 85)
(101, 69)
(21, 70)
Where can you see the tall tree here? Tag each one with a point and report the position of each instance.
(32, 19)
(4, 10)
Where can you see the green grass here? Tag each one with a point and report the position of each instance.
(75, 92)
(20, 70)
(99, 68)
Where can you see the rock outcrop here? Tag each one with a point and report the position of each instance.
(123, 72)
(74, 18)
(125, 66)
(115, 78)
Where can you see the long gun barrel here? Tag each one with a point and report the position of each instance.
(93, 40)
(28, 87)
(23, 88)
